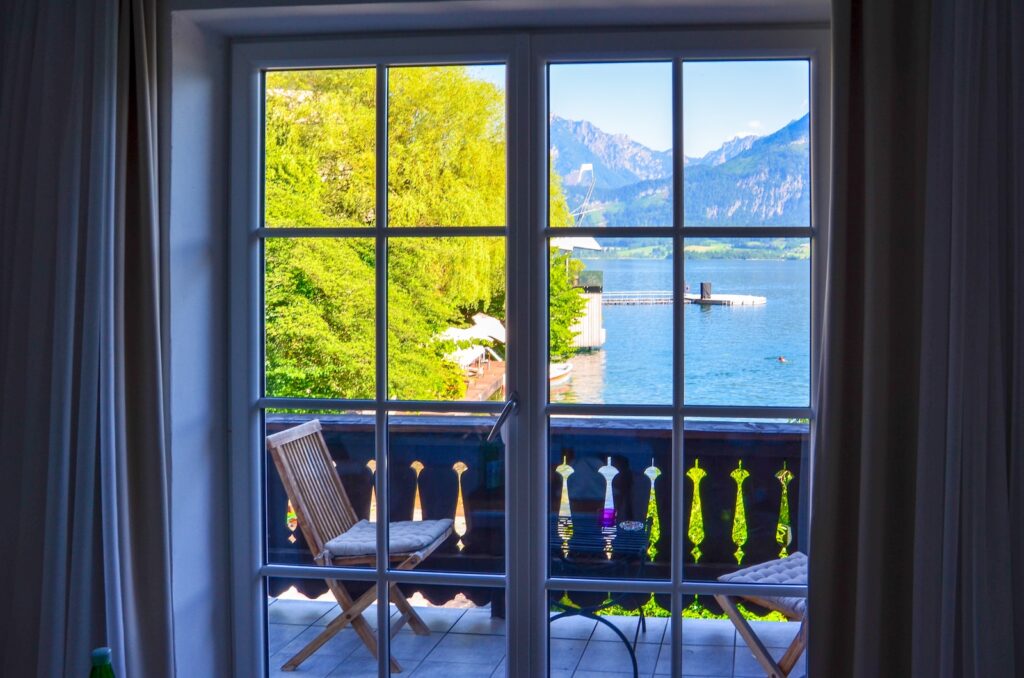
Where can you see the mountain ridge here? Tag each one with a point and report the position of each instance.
(751, 180)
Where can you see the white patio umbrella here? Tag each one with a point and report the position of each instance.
(576, 243)
(490, 326)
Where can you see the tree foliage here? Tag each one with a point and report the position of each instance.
(446, 167)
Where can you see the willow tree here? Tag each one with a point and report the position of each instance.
(446, 167)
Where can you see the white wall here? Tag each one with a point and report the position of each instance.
(196, 220)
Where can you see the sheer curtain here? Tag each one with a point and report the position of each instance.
(918, 497)
(84, 469)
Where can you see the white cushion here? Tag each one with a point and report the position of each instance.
(791, 570)
(407, 536)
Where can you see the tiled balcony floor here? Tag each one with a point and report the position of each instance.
(466, 643)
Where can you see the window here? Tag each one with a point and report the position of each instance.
(579, 325)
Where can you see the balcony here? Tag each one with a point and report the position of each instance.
(748, 507)
(470, 642)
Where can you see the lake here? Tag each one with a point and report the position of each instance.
(732, 352)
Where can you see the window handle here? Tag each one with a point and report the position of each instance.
(511, 406)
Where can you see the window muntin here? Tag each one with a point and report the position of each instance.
(610, 144)
(320, 148)
(746, 132)
(748, 343)
(446, 146)
(801, 232)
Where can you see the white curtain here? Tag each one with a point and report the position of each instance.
(917, 564)
(84, 467)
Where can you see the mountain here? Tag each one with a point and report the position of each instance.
(617, 160)
(727, 151)
(748, 181)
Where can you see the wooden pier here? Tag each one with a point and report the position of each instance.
(655, 297)
(486, 381)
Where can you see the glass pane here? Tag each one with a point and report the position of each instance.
(446, 146)
(319, 314)
(446, 476)
(610, 136)
(609, 498)
(610, 320)
(298, 610)
(747, 143)
(742, 494)
(748, 321)
(320, 148)
(294, 538)
(446, 318)
(453, 631)
(595, 634)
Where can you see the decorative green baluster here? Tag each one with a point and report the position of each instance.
(459, 525)
(696, 528)
(739, 517)
(653, 472)
(784, 531)
(292, 521)
(565, 528)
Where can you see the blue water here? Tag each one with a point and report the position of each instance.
(732, 352)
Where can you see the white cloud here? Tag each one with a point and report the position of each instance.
(754, 124)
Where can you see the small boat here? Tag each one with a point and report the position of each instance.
(559, 373)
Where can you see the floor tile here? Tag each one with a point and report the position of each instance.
(628, 625)
(502, 669)
(746, 665)
(708, 632)
(405, 647)
(664, 666)
(298, 611)
(438, 619)
(469, 649)
(479, 621)
(707, 660)
(439, 669)
(317, 666)
(614, 656)
(340, 645)
(564, 654)
(574, 627)
(775, 634)
(369, 614)
(367, 668)
(279, 635)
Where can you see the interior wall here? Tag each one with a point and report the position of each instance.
(195, 151)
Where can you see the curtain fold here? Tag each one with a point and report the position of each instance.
(918, 489)
(85, 454)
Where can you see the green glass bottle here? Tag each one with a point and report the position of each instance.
(101, 666)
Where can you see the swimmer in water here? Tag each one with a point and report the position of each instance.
(782, 359)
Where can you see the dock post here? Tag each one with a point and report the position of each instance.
(705, 290)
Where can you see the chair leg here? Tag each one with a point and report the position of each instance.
(795, 649)
(351, 613)
(416, 622)
(761, 653)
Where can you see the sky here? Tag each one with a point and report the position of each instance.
(721, 99)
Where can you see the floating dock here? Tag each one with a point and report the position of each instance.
(654, 297)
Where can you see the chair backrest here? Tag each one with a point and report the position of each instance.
(321, 505)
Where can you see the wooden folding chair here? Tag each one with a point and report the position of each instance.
(790, 570)
(337, 537)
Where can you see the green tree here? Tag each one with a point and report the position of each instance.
(446, 149)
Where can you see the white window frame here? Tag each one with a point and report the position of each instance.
(526, 55)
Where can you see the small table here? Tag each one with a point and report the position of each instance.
(583, 548)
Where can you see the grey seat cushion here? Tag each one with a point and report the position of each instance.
(791, 570)
(406, 536)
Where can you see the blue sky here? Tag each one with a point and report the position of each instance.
(721, 99)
